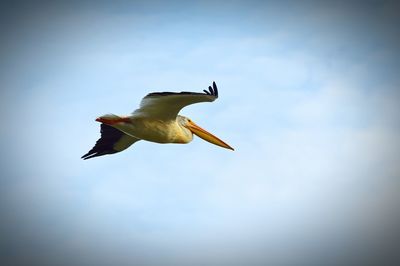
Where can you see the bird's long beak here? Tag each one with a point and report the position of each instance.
(207, 136)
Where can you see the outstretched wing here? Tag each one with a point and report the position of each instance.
(111, 141)
(166, 105)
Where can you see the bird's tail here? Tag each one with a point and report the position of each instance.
(111, 119)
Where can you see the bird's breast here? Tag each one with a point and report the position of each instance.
(157, 131)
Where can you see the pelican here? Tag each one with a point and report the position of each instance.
(156, 120)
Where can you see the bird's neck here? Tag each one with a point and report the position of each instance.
(183, 135)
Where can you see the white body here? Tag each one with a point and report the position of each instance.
(156, 130)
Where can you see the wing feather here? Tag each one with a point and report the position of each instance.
(111, 141)
(166, 105)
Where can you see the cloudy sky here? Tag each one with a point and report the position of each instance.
(309, 99)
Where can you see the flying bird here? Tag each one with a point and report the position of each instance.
(156, 120)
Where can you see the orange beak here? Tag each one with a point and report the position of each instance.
(207, 136)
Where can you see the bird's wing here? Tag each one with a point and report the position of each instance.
(111, 141)
(166, 105)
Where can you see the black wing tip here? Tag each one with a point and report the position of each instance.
(105, 144)
(97, 151)
(213, 91)
(168, 93)
(91, 155)
(88, 155)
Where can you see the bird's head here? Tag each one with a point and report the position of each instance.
(200, 132)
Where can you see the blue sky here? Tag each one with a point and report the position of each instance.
(308, 98)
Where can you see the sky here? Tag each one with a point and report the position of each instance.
(309, 99)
